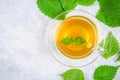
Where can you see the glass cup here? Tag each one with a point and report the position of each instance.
(50, 31)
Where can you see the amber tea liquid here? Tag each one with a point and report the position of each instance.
(77, 26)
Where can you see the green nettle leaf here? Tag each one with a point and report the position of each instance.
(109, 12)
(85, 2)
(51, 8)
(105, 72)
(73, 74)
(79, 41)
(110, 45)
(67, 40)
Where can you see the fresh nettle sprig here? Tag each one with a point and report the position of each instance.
(71, 40)
(110, 46)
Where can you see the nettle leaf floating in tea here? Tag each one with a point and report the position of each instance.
(73, 74)
(109, 12)
(53, 8)
(67, 40)
(105, 72)
(79, 41)
(71, 40)
(110, 45)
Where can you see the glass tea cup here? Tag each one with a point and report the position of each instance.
(50, 40)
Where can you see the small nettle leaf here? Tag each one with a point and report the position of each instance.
(110, 45)
(67, 40)
(79, 41)
(105, 72)
(73, 74)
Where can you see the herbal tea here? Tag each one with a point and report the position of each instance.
(76, 37)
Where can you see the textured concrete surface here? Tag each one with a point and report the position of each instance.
(23, 55)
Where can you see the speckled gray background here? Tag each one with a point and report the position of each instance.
(23, 56)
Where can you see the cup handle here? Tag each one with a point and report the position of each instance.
(100, 49)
